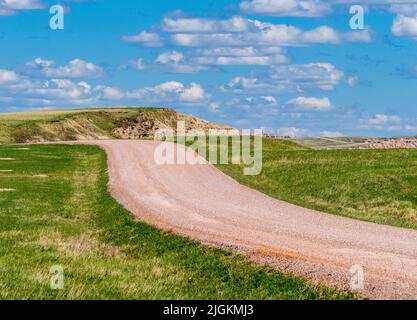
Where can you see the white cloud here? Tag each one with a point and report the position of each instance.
(167, 57)
(232, 51)
(317, 8)
(194, 93)
(302, 8)
(148, 39)
(76, 68)
(243, 85)
(171, 92)
(404, 26)
(8, 77)
(137, 64)
(256, 60)
(10, 7)
(380, 119)
(198, 25)
(239, 31)
(269, 99)
(111, 93)
(383, 122)
(214, 107)
(267, 34)
(58, 90)
(174, 61)
(241, 56)
(289, 78)
(324, 76)
(311, 103)
(22, 90)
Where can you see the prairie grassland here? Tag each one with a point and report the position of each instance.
(372, 185)
(58, 212)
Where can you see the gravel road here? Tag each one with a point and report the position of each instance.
(202, 203)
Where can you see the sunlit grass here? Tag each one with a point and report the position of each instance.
(68, 218)
(372, 185)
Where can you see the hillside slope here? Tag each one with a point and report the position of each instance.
(88, 124)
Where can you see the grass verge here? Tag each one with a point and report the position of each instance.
(371, 185)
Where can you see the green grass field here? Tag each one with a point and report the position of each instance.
(60, 213)
(372, 185)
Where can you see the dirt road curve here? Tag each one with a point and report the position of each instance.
(204, 204)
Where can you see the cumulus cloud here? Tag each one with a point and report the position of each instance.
(170, 57)
(76, 68)
(239, 31)
(171, 91)
(267, 34)
(202, 59)
(176, 62)
(148, 39)
(290, 78)
(324, 76)
(24, 90)
(52, 92)
(194, 93)
(8, 77)
(269, 99)
(311, 103)
(380, 119)
(405, 26)
(223, 56)
(200, 25)
(300, 8)
(11, 7)
(382, 122)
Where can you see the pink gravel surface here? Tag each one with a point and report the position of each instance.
(202, 203)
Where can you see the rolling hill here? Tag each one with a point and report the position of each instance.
(88, 124)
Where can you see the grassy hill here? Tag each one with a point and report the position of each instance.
(86, 124)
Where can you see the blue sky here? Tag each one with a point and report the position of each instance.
(290, 66)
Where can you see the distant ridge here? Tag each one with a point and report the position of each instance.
(93, 124)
